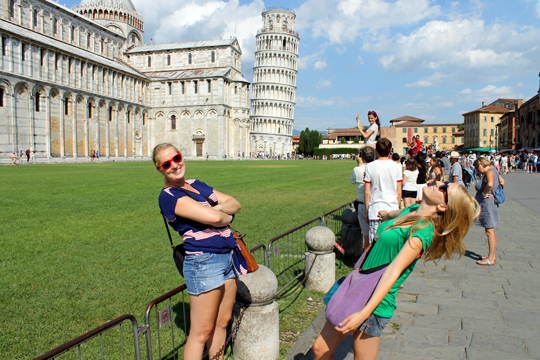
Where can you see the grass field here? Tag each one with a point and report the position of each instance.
(85, 243)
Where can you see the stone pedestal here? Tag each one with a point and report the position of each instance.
(258, 334)
(320, 259)
(351, 234)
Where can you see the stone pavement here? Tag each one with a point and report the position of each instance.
(460, 310)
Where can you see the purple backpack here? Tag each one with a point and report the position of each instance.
(355, 291)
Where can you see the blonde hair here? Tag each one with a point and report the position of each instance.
(482, 161)
(450, 227)
(159, 148)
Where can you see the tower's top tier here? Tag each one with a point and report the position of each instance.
(278, 20)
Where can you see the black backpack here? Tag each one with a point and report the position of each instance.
(466, 177)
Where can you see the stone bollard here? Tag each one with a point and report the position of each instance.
(320, 241)
(352, 240)
(258, 334)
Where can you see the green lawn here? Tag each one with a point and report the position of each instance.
(85, 243)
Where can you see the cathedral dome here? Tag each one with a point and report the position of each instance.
(114, 4)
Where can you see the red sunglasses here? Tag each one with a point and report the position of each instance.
(166, 165)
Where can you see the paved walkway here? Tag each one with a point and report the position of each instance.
(460, 310)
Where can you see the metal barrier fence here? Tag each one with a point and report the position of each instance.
(332, 219)
(165, 317)
(286, 254)
(100, 331)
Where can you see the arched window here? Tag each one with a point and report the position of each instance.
(11, 6)
(2, 93)
(144, 119)
(66, 106)
(38, 102)
(35, 18)
(173, 122)
(168, 59)
(213, 56)
(149, 61)
(189, 58)
(195, 87)
(89, 110)
(110, 113)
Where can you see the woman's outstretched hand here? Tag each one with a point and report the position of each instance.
(358, 118)
(352, 323)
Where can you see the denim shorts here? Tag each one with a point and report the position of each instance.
(206, 272)
(374, 325)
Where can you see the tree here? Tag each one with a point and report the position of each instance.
(309, 140)
(356, 140)
(343, 141)
(461, 127)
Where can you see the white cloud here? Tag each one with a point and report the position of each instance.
(434, 80)
(305, 62)
(344, 20)
(320, 65)
(462, 44)
(487, 94)
(341, 50)
(324, 84)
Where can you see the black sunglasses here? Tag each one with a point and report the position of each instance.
(444, 188)
(166, 165)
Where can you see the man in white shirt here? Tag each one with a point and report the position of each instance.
(367, 155)
(382, 190)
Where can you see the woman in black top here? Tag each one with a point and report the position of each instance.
(422, 168)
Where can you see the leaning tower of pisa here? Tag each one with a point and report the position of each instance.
(274, 83)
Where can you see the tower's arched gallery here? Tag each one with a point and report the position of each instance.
(82, 80)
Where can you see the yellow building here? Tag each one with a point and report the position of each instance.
(404, 128)
(481, 130)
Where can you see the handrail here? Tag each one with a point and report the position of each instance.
(294, 229)
(163, 297)
(339, 208)
(89, 335)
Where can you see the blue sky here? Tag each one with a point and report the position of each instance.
(429, 59)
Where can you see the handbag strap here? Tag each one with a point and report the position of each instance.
(168, 231)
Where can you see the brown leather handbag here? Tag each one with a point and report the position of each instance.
(251, 262)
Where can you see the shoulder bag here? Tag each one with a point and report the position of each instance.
(353, 293)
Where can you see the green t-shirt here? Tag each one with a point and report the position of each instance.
(386, 249)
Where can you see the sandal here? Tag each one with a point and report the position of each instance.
(485, 262)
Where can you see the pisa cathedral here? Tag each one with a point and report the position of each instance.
(74, 81)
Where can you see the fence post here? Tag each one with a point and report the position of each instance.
(320, 259)
(258, 333)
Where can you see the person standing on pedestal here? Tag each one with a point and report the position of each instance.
(370, 135)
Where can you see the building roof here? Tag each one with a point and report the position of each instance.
(180, 46)
(488, 109)
(459, 133)
(76, 51)
(115, 4)
(194, 74)
(296, 139)
(408, 123)
(406, 118)
(444, 124)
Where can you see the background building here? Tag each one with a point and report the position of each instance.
(274, 83)
(77, 81)
(481, 130)
(404, 128)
